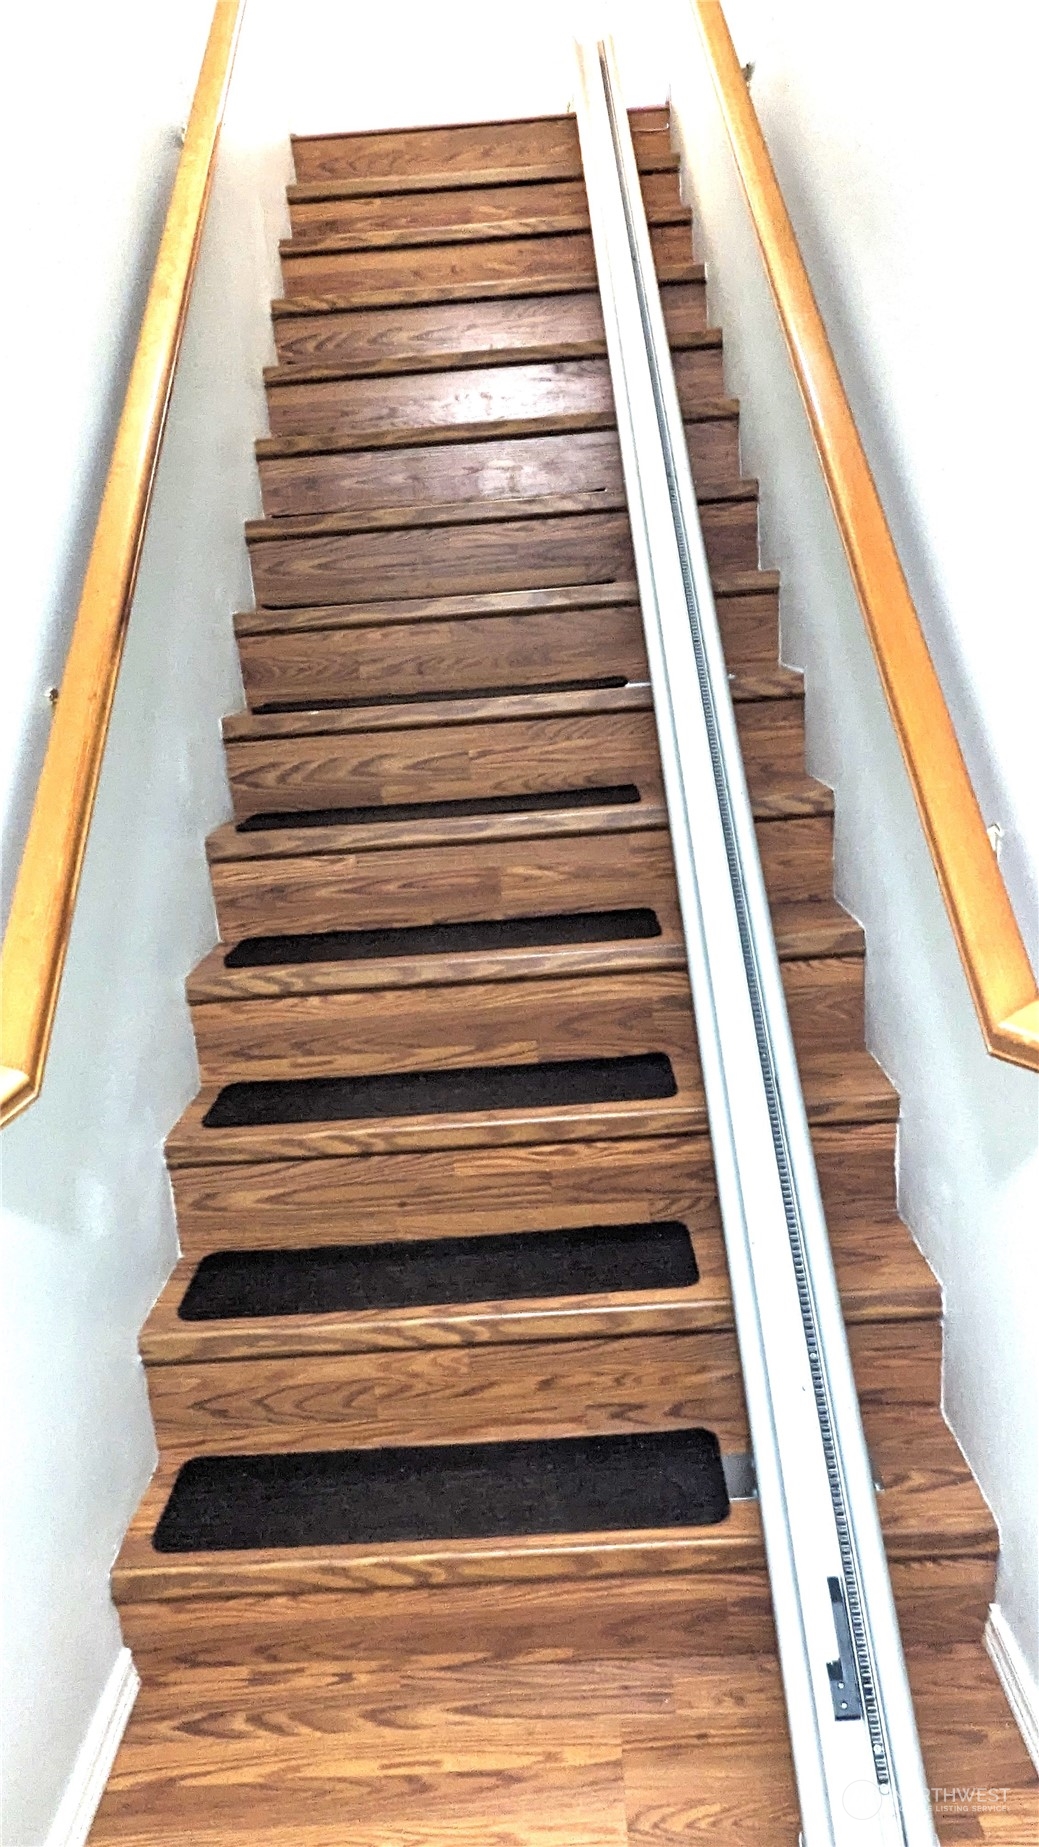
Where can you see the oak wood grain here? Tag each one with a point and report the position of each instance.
(844, 1087)
(458, 214)
(457, 153)
(575, 461)
(273, 1204)
(469, 272)
(480, 395)
(397, 339)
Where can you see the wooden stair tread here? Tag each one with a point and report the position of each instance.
(508, 328)
(287, 445)
(440, 215)
(792, 797)
(847, 1088)
(213, 981)
(463, 513)
(567, 281)
(881, 1273)
(439, 711)
(810, 929)
(746, 684)
(476, 270)
(649, 160)
(684, 339)
(501, 602)
(227, 843)
(930, 1507)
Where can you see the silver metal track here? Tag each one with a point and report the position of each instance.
(856, 1756)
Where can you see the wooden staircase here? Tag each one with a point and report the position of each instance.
(450, 863)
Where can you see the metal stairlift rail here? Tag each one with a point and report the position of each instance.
(856, 1756)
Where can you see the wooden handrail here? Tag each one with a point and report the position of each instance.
(991, 948)
(40, 920)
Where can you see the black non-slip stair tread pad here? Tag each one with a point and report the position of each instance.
(557, 1085)
(434, 1272)
(445, 939)
(443, 1492)
(611, 795)
(522, 689)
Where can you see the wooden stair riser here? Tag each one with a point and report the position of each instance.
(515, 554)
(451, 1395)
(517, 467)
(462, 214)
(463, 333)
(423, 659)
(469, 154)
(500, 1023)
(488, 878)
(469, 272)
(330, 1034)
(481, 1394)
(444, 764)
(565, 388)
(290, 1205)
(939, 1603)
(339, 768)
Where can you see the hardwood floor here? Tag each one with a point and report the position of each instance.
(612, 1752)
(449, 868)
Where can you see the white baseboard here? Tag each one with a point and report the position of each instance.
(1019, 1683)
(86, 1785)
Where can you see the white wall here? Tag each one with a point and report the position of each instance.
(89, 1236)
(899, 136)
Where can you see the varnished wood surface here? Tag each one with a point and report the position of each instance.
(474, 1392)
(469, 272)
(460, 154)
(372, 756)
(562, 462)
(845, 1087)
(273, 1204)
(480, 878)
(930, 1508)
(504, 554)
(400, 339)
(443, 763)
(543, 647)
(881, 1274)
(459, 214)
(728, 586)
(483, 394)
(317, 879)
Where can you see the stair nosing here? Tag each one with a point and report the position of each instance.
(699, 339)
(439, 435)
(288, 307)
(267, 620)
(445, 236)
(376, 186)
(438, 713)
